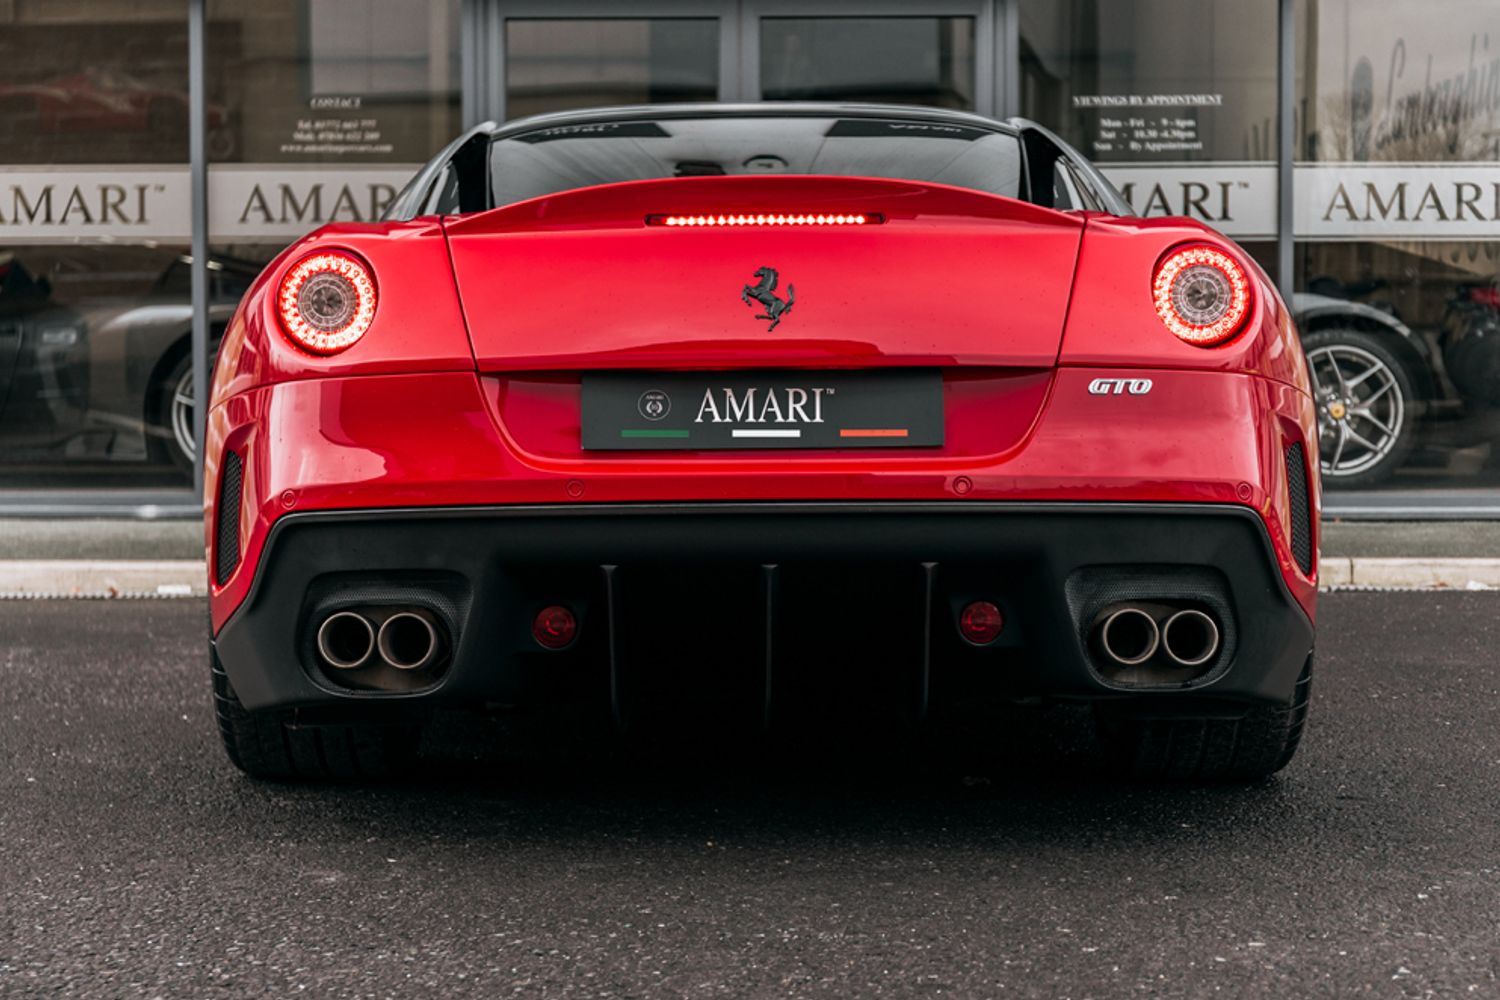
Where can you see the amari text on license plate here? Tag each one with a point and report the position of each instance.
(698, 411)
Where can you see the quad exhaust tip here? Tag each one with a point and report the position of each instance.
(409, 640)
(1134, 634)
(1191, 638)
(1129, 636)
(406, 640)
(346, 640)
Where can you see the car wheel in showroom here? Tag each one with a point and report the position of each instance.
(169, 416)
(1366, 407)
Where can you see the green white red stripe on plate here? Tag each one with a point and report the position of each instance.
(769, 433)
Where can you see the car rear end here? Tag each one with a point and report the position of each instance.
(755, 449)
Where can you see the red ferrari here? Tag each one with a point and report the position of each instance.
(738, 420)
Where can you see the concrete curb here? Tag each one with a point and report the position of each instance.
(186, 577)
(89, 578)
(1410, 573)
(93, 578)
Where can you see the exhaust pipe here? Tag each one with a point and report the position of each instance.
(409, 640)
(1129, 636)
(346, 640)
(1191, 638)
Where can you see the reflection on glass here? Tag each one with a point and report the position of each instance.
(1174, 99)
(93, 327)
(1385, 80)
(333, 81)
(82, 92)
(334, 104)
(1398, 261)
(1404, 342)
(904, 60)
(556, 65)
(1153, 80)
(94, 353)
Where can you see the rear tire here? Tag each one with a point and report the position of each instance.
(271, 746)
(1250, 748)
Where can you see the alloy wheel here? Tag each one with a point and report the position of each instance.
(181, 412)
(1361, 408)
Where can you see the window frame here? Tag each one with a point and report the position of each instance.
(986, 42)
(488, 22)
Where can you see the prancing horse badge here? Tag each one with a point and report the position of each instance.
(764, 292)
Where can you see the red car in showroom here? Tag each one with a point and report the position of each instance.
(745, 419)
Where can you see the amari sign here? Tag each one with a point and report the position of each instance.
(128, 204)
(1445, 201)
(1237, 199)
(123, 203)
(1331, 201)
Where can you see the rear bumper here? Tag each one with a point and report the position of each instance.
(458, 440)
(762, 598)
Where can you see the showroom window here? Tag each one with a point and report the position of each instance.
(93, 239)
(556, 65)
(1174, 99)
(1397, 216)
(902, 60)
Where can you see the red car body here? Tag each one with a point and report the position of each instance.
(1088, 455)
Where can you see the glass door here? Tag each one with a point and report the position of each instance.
(938, 54)
(558, 56)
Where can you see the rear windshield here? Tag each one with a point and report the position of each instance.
(548, 160)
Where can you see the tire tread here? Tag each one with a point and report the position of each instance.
(1249, 748)
(272, 746)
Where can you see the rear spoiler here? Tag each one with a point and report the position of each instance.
(465, 162)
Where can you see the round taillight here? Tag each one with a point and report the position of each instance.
(980, 623)
(554, 628)
(1201, 294)
(326, 301)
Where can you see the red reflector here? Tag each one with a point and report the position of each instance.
(554, 627)
(1483, 296)
(769, 219)
(981, 623)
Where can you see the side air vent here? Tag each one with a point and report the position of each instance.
(227, 531)
(1296, 485)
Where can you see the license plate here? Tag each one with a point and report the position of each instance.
(719, 411)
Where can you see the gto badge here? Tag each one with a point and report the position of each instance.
(654, 404)
(1117, 386)
(764, 292)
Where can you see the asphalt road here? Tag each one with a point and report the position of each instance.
(134, 861)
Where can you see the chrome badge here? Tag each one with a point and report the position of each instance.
(1119, 386)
